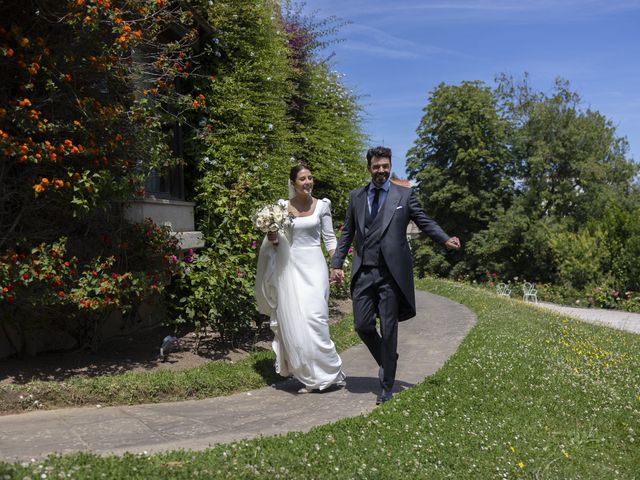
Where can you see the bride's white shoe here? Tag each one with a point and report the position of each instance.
(305, 390)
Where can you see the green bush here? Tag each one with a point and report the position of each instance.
(580, 258)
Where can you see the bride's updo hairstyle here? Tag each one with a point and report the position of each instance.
(293, 174)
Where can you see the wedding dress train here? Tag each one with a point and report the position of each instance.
(292, 287)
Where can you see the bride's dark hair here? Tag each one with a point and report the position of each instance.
(293, 174)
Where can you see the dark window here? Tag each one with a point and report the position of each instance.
(169, 184)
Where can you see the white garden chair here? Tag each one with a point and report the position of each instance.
(503, 289)
(529, 292)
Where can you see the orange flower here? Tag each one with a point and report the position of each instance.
(76, 123)
(68, 143)
(34, 69)
(53, 157)
(160, 3)
(88, 19)
(195, 104)
(24, 149)
(24, 42)
(38, 156)
(76, 176)
(38, 188)
(44, 181)
(67, 77)
(23, 158)
(3, 112)
(25, 102)
(33, 114)
(79, 3)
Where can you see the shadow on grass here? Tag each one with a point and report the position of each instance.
(263, 365)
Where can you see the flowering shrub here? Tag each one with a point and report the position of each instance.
(86, 89)
(217, 295)
(78, 127)
(85, 109)
(607, 297)
(47, 277)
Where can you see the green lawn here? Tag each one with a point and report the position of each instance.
(529, 394)
(209, 380)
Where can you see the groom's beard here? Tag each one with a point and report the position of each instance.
(379, 179)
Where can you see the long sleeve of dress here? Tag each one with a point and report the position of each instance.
(328, 235)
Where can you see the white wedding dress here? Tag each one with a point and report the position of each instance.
(292, 287)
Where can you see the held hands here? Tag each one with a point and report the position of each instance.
(453, 244)
(337, 275)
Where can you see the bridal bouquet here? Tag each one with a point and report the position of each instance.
(272, 218)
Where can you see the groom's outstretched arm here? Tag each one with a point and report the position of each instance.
(424, 222)
(346, 237)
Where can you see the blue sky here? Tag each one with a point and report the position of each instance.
(394, 53)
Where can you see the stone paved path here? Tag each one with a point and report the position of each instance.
(610, 318)
(425, 343)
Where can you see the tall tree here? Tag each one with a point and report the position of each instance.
(460, 159)
(572, 161)
(571, 166)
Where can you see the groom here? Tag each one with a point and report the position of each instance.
(382, 275)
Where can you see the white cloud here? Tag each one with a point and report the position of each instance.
(376, 42)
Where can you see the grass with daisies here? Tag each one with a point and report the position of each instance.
(529, 394)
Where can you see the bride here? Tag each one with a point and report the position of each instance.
(292, 287)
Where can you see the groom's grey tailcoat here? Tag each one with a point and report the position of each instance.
(398, 209)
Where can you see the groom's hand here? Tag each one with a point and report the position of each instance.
(337, 275)
(453, 243)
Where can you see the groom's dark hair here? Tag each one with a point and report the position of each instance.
(380, 152)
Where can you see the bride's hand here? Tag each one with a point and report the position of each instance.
(273, 237)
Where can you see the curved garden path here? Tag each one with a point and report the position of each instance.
(425, 343)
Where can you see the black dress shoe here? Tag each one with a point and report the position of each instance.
(384, 396)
